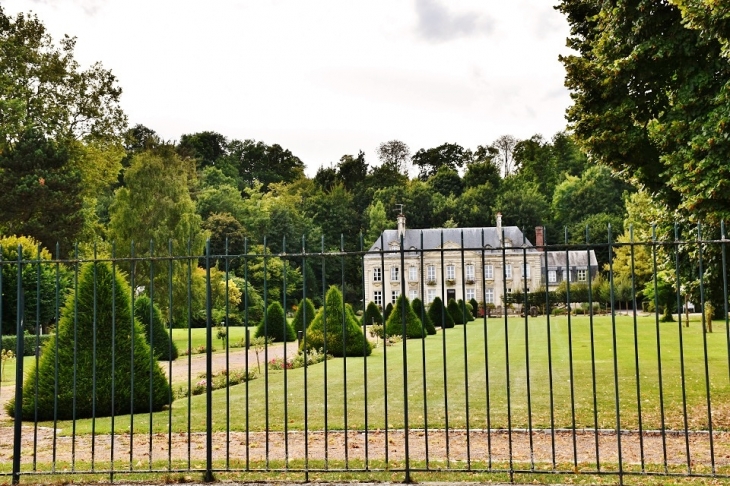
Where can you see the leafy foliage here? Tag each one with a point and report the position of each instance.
(304, 315)
(335, 331)
(275, 326)
(99, 343)
(372, 315)
(149, 315)
(413, 326)
(417, 306)
(439, 315)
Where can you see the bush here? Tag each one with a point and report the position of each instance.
(328, 323)
(163, 347)
(275, 325)
(9, 343)
(439, 315)
(417, 306)
(32, 275)
(456, 312)
(468, 310)
(387, 311)
(100, 291)
(474, 308)
(304, 315)
(372, 315)
(394, 325)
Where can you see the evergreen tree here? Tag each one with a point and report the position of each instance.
(387, 311)
(474, 307)
(325, 333)
(275, 325)
(423, 315)
(372, 315)
(439, 315)
(96, 322)
(304, 315)
(394, 324)
(149, 315)
(456, 312)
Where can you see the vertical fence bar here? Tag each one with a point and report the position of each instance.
(406, 432)
(208, 474)
(94, 327)
(248, 353)
(266, 352)
(169, 352)
(615, 359)
(681, 352)
(526, 311)
(385, 350)
(658, 347)
(306, 365)
(365, 356)
(570, 354)
(344, 347)
(508, 388)
(326, 370)
(423, 352)
(636, 348)
(151, 342)
(227, 340)
(443, 353)
(486, 351)
(593, 351)
(190, 350)
(55, 358)
(19, 352)
(550, 346)
(465, 320)
(75, 353)
(132, 279)
(704, 346)
(37, 357)
(114, 361)
(286, 379)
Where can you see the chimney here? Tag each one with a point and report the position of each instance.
(401, 226)
(540, 237)
(499, 223)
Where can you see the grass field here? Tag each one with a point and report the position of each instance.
(464, 372)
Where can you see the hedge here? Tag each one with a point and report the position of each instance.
(29, 340)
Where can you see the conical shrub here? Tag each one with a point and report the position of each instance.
(474, 308)
(467, 308)
(387, 311)
(394, 324)
(275, 325)
(163, 347)
(372, 315)
(455, 311)
(304, 315)
(439, 315)
(423, 315)
(94, 354)
(329, 334)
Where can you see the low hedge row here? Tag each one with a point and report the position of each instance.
(29, 342)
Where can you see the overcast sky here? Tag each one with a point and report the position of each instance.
(325, 78)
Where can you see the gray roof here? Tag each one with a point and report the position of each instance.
(577, 258)
(432, 238)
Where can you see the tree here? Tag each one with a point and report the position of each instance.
(428, 326)
(439, 315)
(505, 146)
(149, 315)
(275, 326)
(205, 147)
(378, 222)
(262, 163)
(522, 204)
(304, 315)
(372, 315)
(394, 155)
(650, 88)
(98, 319)
(446, 182)
(413, 326)
(224, 228)
(481, 174)
(448, 155)
(34, 276)
(457, 311)
(334, 331)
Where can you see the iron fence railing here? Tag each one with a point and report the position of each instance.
(619, 369)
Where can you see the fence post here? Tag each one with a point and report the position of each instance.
(19, 352)
(208, 476)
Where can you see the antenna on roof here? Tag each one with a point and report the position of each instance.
(399, 207)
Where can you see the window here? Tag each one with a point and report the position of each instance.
(526, 270)
(508, 270)
(582, 275)
(469, 272)
(488, 272)
(450, 274)
(394, 274)
(552, 276)
(431, 273)
(489, 296)
(377, 274)
(412, 273)
(394, 296)
(430, 295)
(470, 294)
(413, 294)
(378, 297)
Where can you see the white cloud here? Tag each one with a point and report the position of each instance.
(437, 23)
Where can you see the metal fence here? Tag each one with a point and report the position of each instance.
(598, 371)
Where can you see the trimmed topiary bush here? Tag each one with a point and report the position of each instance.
(423, 315)
(163, 347)
(372, 315)
(468, 310)
(275, 326)
(394, 324)
(304, 315)
(455, 311)
(116, 336)
(474, 308)
(387, 311)
(439, 315)
(328, 322)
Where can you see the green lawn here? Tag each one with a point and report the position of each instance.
(198, 338)
(425, 378)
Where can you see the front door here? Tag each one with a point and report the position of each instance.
(450, 294)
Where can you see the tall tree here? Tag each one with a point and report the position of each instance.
(505, 146)
(205, 147)
(450, 155)
(395, 155)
